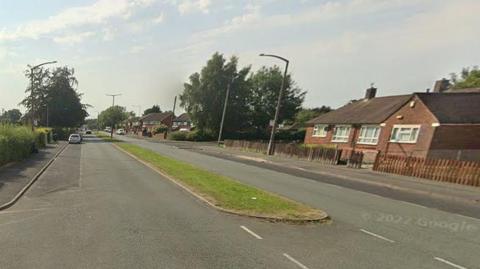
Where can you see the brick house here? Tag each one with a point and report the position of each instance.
(432, 125)
(182, 122)
(152, 121)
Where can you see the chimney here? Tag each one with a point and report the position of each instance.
(370, 93)
(441, 85)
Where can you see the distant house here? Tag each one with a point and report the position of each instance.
(182, 121)
(433, 125)
(152, 121)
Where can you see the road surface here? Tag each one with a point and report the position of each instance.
(95, 207)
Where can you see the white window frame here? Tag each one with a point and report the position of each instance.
(344, 139)
(405, 126)
(320, 130)
(362, 139)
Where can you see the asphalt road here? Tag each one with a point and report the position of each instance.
(95, 207)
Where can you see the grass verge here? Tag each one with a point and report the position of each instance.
(226, 193)
(106, 137)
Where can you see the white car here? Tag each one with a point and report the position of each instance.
(120, 132)
(74, 139)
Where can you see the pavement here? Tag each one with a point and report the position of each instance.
(96, 207)
(15, 176)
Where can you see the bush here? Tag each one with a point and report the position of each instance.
(161, 129)
(191, 136)
(181, 136)
(16, 143)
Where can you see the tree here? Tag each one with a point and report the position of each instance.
(11, 116)
(469, 78)
(112, 116)
(55, 99)
(265, 85)
(203, 96)
(92, 124)
(306, 114)
(153, 109)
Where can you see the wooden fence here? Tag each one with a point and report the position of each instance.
(318, 154)
(460, 172)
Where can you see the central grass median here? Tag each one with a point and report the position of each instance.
(226, 193)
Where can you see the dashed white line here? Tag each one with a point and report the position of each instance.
(377, 236)
(449, 263)
(299, 264)
(250, 232)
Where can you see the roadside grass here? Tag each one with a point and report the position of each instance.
(106, 137)
(225, 192)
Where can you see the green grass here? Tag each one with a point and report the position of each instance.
(106, 137)
(225, 192)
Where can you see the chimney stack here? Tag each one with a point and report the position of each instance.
(441, 85)
(370, 92)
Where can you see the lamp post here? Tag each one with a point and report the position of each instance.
(31, 89)
(271, 142)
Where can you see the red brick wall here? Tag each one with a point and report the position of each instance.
(417, 115)
(456, 137)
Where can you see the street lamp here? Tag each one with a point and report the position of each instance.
(31, 88)
(271, 144)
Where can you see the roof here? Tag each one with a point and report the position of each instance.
(156, 116)
(365, 111)
(183, 117)
(451, 107)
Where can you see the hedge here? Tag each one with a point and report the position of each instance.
(16, 143)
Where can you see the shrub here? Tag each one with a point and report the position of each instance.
(16, 143)
(62, 133)
(200, 136)
(161, 129)
(177, 136)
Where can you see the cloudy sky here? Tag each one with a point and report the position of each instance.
(146, 49)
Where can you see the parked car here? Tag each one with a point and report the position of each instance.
(74, 139)
(88, 132)
(120, 132)
(108, 129)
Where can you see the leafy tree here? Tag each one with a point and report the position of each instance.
(153, 109)
(265, 85)
(11, 116)
(203, 96)
(92, 124)
(306, 114)
(112, 116)
(469, 78)
(55, 97)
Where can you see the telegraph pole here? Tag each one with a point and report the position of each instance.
(113, 104)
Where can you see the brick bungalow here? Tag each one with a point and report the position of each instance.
(432, 125)
(182, 121)
(152, 121)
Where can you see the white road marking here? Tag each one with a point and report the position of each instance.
(377, 236)
(449, 263)
(250, 232)
(295, 261)
(408, 203)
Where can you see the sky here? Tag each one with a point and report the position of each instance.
(146, 49)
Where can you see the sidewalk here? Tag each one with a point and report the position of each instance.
(15, 176)
(404, 183)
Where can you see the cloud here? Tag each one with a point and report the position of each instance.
(72, 39)
(136, 49)
(192, 6)
(96, 13)
(159, 19)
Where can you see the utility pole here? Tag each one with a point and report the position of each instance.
(113, 104)
(224, 111)
(271, 143)
(171, 122)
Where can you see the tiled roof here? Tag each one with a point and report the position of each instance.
(156, 116)
(451, 107)
(365, 111)
(182, 117)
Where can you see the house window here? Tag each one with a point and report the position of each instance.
(369, 135)
(320, 130)
(341, 133)
(405, 133)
